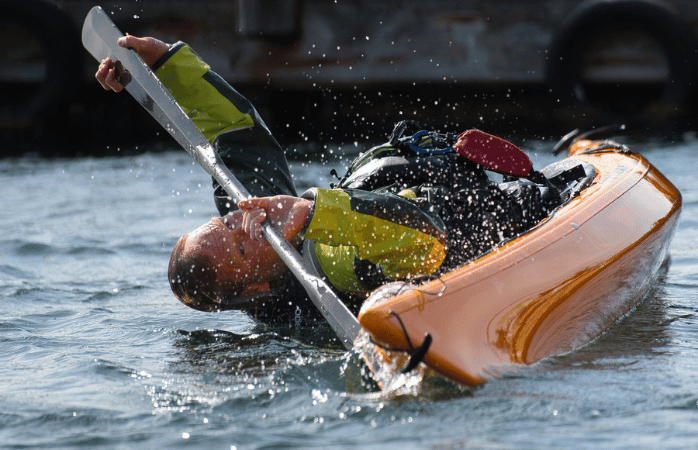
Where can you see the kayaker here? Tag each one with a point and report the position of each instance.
(357, 236)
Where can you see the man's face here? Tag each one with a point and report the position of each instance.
(237, 256)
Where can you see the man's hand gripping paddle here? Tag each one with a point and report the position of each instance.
(99, 36)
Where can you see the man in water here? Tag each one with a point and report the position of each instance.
(357, 237)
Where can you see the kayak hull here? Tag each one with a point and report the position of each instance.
(549, 291)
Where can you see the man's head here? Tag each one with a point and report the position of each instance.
(219, 260)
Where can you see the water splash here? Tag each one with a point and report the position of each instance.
(385, 367)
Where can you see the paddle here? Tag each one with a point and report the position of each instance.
(99, 36)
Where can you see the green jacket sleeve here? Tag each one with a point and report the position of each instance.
(230, 122)
(385, 229)
(183, 73)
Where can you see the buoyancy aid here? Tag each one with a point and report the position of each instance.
(477, 213)
(423, 167)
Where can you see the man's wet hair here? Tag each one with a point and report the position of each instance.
(193, 280)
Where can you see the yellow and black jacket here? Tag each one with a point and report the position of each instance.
(361, 238)
(355, 238)
(230, 122)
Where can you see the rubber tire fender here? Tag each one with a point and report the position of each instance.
(62, 50)
(673, 34)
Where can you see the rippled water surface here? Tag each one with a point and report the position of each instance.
(95, 352)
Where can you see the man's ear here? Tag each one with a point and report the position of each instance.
(255, 288)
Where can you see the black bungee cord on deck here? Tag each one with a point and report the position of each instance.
(416, 354)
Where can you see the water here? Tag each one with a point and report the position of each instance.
(95, 352)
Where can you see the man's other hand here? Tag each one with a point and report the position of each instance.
(148, 48)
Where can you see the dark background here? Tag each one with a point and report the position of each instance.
(51, 104)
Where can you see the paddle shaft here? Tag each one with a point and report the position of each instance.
(99, 36)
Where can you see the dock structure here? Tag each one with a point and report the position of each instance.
(337, 69)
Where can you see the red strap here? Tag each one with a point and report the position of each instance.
(493, 153)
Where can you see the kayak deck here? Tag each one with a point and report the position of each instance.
(550, 290)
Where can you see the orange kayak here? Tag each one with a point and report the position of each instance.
(549, 291)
